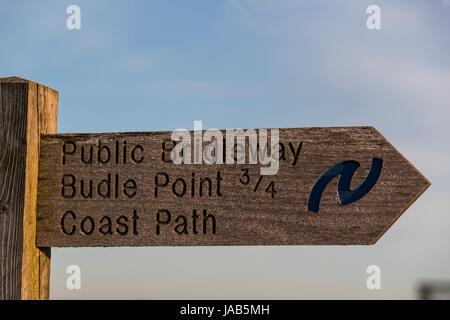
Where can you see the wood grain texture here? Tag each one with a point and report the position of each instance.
(12, 181)
(28, 109)
(69, 217)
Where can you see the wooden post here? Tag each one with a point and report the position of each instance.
(27, 109)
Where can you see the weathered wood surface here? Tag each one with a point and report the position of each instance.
(242, 215)
(27, 109)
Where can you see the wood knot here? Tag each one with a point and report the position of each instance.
(3, 208)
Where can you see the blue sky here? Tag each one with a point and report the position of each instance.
(160, 65)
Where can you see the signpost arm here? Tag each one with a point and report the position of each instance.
(27, 109)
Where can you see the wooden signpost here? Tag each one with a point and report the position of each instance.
(27, 109)
(121, 189)
(333, 186)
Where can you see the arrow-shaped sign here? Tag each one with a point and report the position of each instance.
(317, 186)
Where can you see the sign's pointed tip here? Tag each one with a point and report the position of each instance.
(427, 182)
(416, 196)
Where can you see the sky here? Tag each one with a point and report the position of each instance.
(160, 65)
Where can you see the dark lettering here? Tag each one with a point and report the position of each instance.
(87, 231)
(106, 228)
(66, 152)
(63, 225)
(129, 188)
(206, 217)
(182, 225)
(122, 221)
(160, 184)
(67, 184)
(133, 154)
(159, 221)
